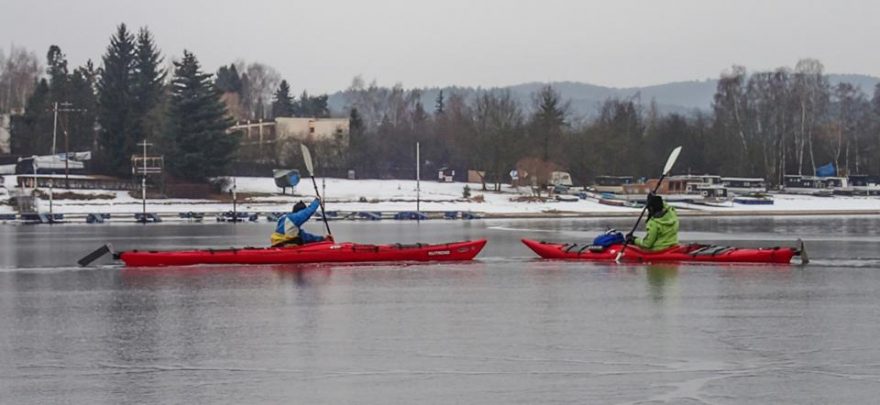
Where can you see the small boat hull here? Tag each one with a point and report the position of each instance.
(321, 252)
(679, 253)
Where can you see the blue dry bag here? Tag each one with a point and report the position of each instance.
(610, 237)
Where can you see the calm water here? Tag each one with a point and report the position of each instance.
(504, 329)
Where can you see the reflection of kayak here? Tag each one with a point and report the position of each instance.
(680, 253)
(311, 253)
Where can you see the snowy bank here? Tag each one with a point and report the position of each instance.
(256, 194)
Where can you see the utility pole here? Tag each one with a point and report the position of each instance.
(144, 181)
(51, 180)
(234, 201)
(418, 182)
(66, 107)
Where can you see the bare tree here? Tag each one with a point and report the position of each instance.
(499, 128)
(259, 82)
(811, 91)
(19, 72)
(850, 109)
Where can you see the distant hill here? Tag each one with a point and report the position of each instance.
(678, 97)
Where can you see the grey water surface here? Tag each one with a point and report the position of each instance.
(506, 328)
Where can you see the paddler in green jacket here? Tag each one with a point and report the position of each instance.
(662, 226)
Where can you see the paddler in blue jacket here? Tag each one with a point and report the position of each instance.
(289, 230)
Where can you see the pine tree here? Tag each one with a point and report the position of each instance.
(147, 88)
(439, 104)
(31, 133)
(227, 79)
(548, 121)
(196, 143)
(56, 63)
(282, 105)
(81, 124)
(116, 141)
(355, 122)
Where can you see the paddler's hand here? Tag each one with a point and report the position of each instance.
(630, 239)
(329, 238)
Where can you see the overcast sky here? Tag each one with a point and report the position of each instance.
(321, 45)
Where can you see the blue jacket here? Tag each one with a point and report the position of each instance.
(297, 219)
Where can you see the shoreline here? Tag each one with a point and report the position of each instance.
(387, 216)
(386, 198)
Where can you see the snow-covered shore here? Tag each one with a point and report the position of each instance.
(261, 195)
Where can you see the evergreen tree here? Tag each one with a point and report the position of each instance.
(116, 140)
(355, 122)
(439, 104)
(31, 133)
(147, 88)
(80, 125)
(228, 80)
(311, 106)
(196, 144)
(282, 105)
(56, 63)
(548, 121)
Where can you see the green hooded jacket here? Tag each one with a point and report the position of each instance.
(662, 231)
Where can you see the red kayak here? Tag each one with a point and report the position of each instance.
(678, 253)
(312, 253)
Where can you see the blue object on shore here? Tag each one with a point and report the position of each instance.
(150, 217)
(753, 201)
(826, 171)
(330, 215)
(470, 215)
(40, 218)
(372, 216)
(198, 216)
(450, 215)
(95, 218)
(7, 217)
(410, 215)
(274, 216)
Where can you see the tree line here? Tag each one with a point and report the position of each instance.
(129, 98)
(761, 124)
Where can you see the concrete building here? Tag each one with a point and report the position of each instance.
(276, 141)
(312, 129)
(300, 129)
(4, 134)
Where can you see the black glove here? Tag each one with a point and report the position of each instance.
(630, 238)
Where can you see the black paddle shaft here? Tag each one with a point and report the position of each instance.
(321, 200)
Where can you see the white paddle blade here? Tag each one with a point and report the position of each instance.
(671, 161)
(307, 157)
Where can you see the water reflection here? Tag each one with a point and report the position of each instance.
(303, 276)
(661, 279)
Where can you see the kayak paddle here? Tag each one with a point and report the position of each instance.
(307, 157)
(666, 169)
(97, 254)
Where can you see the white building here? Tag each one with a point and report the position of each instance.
(300, 129)
(311, 129)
